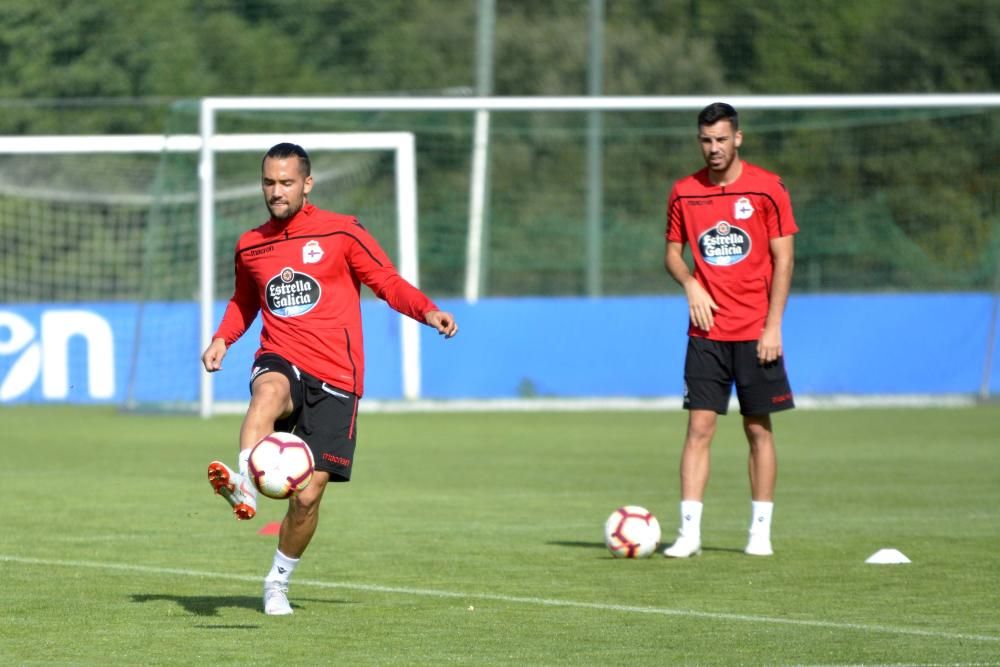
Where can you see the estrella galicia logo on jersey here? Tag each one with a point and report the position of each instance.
(290, 294)
(724, 244)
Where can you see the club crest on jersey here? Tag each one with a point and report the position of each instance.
(311, 252)
(742, 209)
(291, 293)
(724, 244)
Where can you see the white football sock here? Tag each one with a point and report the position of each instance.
(281, 568)
(691, 518)
(760, 517)
(244, 462)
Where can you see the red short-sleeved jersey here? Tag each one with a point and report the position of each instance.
(304, 275)
(729, 229)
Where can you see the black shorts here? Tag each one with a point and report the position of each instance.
(324, 416)
(712, 366)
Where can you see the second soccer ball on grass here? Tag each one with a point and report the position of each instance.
(281, 464)
(631, 532)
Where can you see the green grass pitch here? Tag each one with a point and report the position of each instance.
(476, 539)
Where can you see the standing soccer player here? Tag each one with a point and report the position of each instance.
(738, 220)
(302, 270)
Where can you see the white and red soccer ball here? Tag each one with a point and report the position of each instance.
(281, 464)
(631, 532)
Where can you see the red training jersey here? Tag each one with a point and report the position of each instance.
(304, 276)
(729, 229)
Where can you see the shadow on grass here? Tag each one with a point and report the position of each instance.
(600, 546)
(209, 605)
(732, 550)
(580, 545)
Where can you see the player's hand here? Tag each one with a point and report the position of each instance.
(701, 306)
(443, 322)
(212, 357)
(769, 345)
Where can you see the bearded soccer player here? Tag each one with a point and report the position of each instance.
(738, 220)
(302, 270)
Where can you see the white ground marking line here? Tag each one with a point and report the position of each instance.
(512, 599)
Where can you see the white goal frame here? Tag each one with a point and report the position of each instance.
(401, 144)
(482, 106)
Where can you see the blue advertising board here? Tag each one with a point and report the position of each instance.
(507, 348)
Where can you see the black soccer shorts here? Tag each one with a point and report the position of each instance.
(712, 367)
(324, 416)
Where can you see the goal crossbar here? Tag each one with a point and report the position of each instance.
(210, 105)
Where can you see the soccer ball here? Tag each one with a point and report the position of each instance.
(631, 532)
(281, 464)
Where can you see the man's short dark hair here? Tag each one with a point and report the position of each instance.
(717, 111)
(287, 150)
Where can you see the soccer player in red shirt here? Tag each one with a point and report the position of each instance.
(302, 271)
(737, 219)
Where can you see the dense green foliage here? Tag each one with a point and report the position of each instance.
(71, 53)
(890, 201)
(476, 539)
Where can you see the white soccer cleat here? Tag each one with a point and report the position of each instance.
(684, 547)
(759, 545)
(235, 488)
(276, 599)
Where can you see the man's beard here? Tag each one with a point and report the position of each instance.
(288, 212)
(723, 165)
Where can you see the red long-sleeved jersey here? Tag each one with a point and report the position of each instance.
(304, 275)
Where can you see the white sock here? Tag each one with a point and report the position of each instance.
(244, 462)
(760, 517)
(281, 568)
(691, 518)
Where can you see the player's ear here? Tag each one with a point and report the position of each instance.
(308, 185)
(738, 138)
